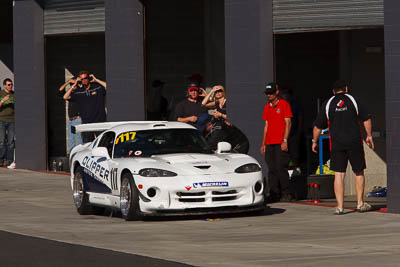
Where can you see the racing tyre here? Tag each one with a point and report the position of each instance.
(81, 198)
(129, 198)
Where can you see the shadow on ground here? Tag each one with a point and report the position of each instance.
(267, 211)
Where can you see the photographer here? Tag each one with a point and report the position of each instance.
(74, 117)
(89, 93)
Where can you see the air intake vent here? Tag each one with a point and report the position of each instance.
(159, 125)
(204, 167)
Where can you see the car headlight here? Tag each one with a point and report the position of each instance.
(152, 172)
(250, 167)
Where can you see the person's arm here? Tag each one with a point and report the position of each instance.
(4, 100)
(62, 87)
(218, 114)
(288, 125)
(316, 133)
(262, 148)
(206, 101)
(187, 119)
(368, 130)
(67, 95)
(102, 83)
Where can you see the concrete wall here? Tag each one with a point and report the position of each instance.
(29, 71)
(392, 99)
(125, 60)
(249, 66)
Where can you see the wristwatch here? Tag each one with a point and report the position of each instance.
(314, 141)
(284, 140)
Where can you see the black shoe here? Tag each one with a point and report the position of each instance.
(272, 198)
(287, 198)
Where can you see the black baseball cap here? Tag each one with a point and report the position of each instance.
(271, 88)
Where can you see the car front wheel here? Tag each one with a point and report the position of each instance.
(81, 198)
(129, 198)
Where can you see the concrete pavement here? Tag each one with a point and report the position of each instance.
(40, 205)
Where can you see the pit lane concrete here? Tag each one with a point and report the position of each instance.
(40, 205)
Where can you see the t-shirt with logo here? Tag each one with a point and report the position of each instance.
(343, 114)
(275, 116)
(91, 103)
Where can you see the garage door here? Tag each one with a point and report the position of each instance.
(291, 16)
(73, 16)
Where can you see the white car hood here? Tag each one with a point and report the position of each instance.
(193, 164)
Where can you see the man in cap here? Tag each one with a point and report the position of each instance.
(277, 116)
(344, 115)
(190, 110)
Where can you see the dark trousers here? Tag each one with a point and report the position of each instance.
(278, 176)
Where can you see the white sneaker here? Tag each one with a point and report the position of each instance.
(12, 165)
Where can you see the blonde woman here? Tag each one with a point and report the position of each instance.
(216, 99)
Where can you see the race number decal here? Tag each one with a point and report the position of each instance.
(125, 137)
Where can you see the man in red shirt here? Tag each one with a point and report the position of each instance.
(277, 116)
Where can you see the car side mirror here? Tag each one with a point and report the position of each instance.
(100, 152)
(224, 147)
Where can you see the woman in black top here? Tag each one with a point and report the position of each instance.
(216, 99)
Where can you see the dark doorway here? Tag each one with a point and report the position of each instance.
(65, 57)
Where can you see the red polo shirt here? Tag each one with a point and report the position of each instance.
(275, 116)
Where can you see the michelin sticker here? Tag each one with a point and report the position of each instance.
(210, 184)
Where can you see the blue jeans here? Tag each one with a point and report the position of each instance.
(74, 139)
(7, 129)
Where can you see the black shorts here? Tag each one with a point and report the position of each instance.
(355, 156)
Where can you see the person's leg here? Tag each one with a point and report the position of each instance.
(360, 184)
(273, 182)
(339, 161)
(10, 141)
(78, 136)
(357, 161)
(74, 139)
(282, 162)
(3, 148)
(339, 188)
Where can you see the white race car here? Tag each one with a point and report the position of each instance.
(161, 168)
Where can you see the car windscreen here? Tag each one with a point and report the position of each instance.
(158, 142)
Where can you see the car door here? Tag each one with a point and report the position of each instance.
(98, 168)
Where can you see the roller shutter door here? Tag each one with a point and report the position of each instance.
(290, 16)
(73, 16)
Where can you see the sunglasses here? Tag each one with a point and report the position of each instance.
(219, 91)
(193, 89)
(269, 93)
(86, 78)
(9, 84)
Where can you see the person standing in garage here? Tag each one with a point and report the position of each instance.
(7, 124)
(277, 116)
(89, 93)
(74, 117)
(343, 114)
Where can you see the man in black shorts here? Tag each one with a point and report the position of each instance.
(344, 115)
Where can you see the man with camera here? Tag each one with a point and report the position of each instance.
(89, 93)
(74, 117)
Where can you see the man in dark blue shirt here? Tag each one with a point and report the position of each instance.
(89, 93)
(344, 115)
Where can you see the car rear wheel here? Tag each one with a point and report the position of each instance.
(129, 198)
(81, 198)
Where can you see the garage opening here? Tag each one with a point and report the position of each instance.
(309, 63)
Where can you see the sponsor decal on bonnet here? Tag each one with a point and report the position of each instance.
(210, 184)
